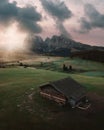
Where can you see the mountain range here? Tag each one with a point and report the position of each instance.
(59, 46)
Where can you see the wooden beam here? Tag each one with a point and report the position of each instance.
(52, 96)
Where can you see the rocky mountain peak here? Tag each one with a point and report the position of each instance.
(58, 45)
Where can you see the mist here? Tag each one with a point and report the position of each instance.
(13, 43)
(16, 24)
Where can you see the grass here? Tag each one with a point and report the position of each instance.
(94, 73)
(93, 84)
(86, 64)
(15, 86)
(19, 112)
(77, 64)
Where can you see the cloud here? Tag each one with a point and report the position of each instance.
(93, 19)
(59, 11)
(62, 29)
(27, 17)
(7, 12)
(3, 1)
(85, 25)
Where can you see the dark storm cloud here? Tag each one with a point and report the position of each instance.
(27, 17)
(8, 12)
(3, 1)
(93, 19)
(59, 11)
(85, 25)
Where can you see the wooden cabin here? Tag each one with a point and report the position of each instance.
(64, 91)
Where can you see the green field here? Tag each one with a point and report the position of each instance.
(22, 108)
(78, 65)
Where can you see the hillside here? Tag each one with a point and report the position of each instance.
(22, 108)
(94, 55)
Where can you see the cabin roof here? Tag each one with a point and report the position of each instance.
(69, 87)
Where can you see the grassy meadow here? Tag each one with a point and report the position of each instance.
(22, 108)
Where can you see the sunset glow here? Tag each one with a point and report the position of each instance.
(12, 39)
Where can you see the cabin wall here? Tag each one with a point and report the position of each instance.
(52, 94)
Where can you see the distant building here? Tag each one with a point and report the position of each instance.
(64, 91)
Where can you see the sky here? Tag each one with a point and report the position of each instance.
(81, 20)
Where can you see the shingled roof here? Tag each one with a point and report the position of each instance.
(70, 88)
